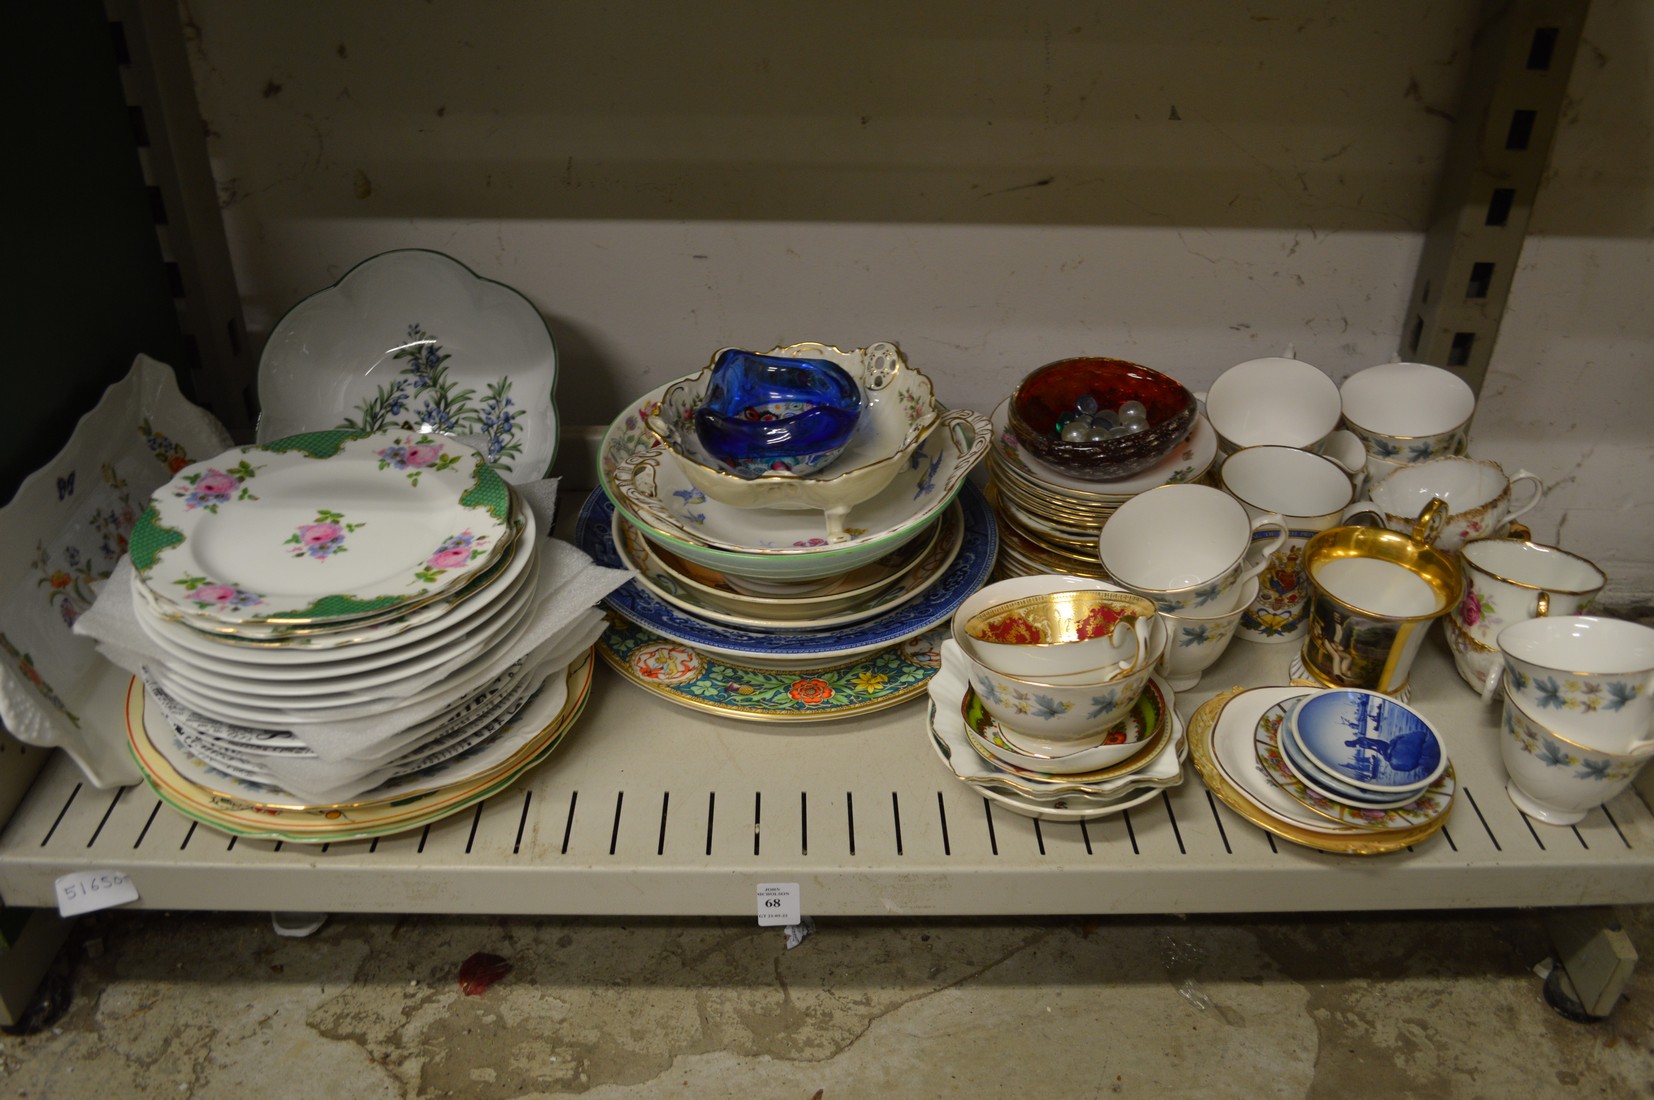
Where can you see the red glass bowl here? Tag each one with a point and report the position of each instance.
(1055, 390)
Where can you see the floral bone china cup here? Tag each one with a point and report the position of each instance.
(1480, 498)
(1375, 593)
(1196, 639)
(1590, 679)
(1279, 401)
(1310, 493)
(1553, 779)
(1187, 546)
(1068, 632)
(1072, 709)
(1507, 581)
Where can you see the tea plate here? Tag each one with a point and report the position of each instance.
(370, 646)
(459, 755)
(415, 338)
(321, 528)
(795, 648)
(947, 738)
(1267, 743)
(226, 704)
(329, 687)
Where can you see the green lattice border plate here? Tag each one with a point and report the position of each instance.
(320, 528)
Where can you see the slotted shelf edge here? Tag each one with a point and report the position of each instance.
(649, 808)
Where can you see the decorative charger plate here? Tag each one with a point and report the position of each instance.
(1221, 733)
(967, 572)
(683, 675)
(415, 338)
(321, 528)
(240, 817)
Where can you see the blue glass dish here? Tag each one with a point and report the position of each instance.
(764, 413)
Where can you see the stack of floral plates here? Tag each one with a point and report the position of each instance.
(1049, 521)
(1237, 745)
(337, 620)
(992, 761)
(752, 613)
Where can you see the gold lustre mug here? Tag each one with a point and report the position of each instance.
(1374, 594)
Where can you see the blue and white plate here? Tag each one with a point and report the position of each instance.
(768, 649)
(1369, 740)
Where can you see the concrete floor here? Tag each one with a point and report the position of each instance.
(1403, 1005)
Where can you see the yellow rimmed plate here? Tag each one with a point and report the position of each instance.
(316, 825)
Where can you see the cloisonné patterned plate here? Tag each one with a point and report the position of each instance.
(324, 528)
(681, 674)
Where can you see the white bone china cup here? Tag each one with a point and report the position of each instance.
(1590, 679)
(1187, 546)
(1408, 412)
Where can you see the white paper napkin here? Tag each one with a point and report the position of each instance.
(564, 615)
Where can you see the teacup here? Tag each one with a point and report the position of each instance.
(1187, 547)
(1592, 679)
(1507, 581)
(1067, 711)
(1196, 639)
(1408, 412)
(1062, 632)
(1284, 402)
(1374, 594)
(1310, 494)
(1554, 779)
(1480, 498)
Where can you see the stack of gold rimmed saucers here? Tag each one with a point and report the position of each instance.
(793, 595)
(1050, 520)
(1367, 776)
(334, 623)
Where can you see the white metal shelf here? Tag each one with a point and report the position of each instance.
(650, 808)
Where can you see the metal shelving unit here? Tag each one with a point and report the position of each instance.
(651, 808)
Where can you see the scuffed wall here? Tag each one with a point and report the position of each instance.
(1186, 185)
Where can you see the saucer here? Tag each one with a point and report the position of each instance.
(1418, 810)
(1222, 733)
